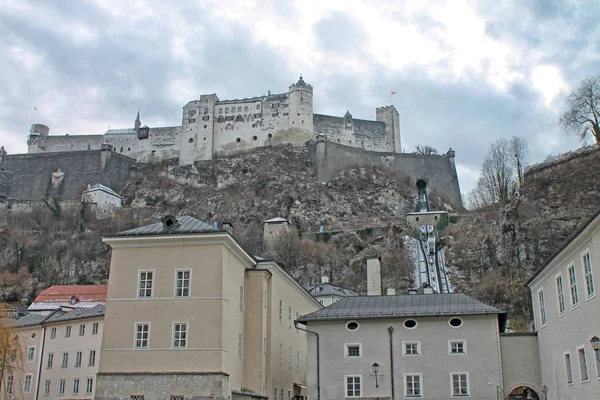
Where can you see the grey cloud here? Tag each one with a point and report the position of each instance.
(340, 32)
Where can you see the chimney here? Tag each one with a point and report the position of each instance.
(227, 227)
(324, 279)
(412, 291)
(391, 292)
(373, 277)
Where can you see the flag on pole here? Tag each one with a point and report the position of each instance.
(393, 93)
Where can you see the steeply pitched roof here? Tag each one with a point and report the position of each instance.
(60, 295)
(77, 313)
(366, 307)
(27, 320)
(99, 186)
(328, 289)
(185, 224)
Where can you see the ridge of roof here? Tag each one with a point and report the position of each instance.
(185, 224)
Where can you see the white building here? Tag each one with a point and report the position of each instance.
(327, 293)
(105, 200)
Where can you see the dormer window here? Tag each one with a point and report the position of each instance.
(73, 299)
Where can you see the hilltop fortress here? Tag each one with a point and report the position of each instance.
(211, 127)
(61, 166)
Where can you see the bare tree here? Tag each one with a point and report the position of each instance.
(497, 175)
(582, 115)
(12, 353)
(520, 151)
(425, 150)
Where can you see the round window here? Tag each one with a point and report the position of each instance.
(410, 324)
(33, 335)
(352, 326)
(455, 322)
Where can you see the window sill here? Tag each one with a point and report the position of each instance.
(352, 356)
(570, 383)
(576, 306)
(586, 381)
(590, 297)
(461, 354)
(411, 355)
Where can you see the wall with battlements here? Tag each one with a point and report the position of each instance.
(62, 175)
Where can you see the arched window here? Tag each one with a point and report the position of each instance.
(229, 127)
(239, 118)
(221, 119)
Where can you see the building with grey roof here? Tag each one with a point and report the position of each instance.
(327, 293)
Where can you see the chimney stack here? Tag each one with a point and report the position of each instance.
(391, 292)
(373, 277)
(324, 279)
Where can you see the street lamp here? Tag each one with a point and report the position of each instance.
(10, 393)
(375, 367)
(595, 342)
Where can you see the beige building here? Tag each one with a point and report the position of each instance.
(62, 355)
(567, 315)
(191, 314)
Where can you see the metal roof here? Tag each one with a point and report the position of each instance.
(366, 307)
(26, 320)
(328, 289)
(185, 224)
(276, 219)
(120, 132)
(99, 186)
(77, 313)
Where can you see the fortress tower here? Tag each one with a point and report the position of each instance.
(197, 130)
(38, 136)
(301, 112)
(389, 115)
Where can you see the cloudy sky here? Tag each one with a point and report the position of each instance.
(466, 73)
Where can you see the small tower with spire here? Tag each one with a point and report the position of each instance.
(137, 123)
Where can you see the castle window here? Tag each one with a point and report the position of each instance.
(239, 109)
(192, 112)
(153, 152)
(220, 111)
(338, 140)
(204, 137)
(121, 149)
(129, 149)
(239, 118)
(245, 108)
(237, 140)
(205, 118)
(221, 119)
(270, 136)
(206, 111)
(258, 106)
(350, 141)
(254, 138)
(115, 148)
(229, 127)
(191, 140)
(226, 110)
(204, 126)
(192, 120)
(285, 114)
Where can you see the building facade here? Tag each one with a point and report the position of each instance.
(211, 127)
(327, 293)
(190, 313)
(567, 314)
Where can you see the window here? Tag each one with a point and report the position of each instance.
(30, 354)
(412, 385)
(27, 383)
(568, 368)
(457, 347)
(176, 397)
(412, 348)
(220, 111)
(180, 334)
(290, 317)
(460, 384)
(410, 324)
(297, 316)
(542, 307)
(297, 360)
(351, 326)
(227, 110)
(61, 386)
(275, 391)
(9, 383)
(281, 311)
(50, 360)
(265, 298)
(455, 322)
(265, 346)
(78, 357)
(192, 120)
(137, 397)
(280, 353)
(75, 385)
(560, 295)
(583, 369)
(46, 387)
(145, 283)
(290, 358)
(89, 385)
(182, 283)
(142, 335)
(289, 395)
(65, 360)
(353, 350)
(353, 386)
(239, 109)
(573, 286)
(81, 330)
(242, 299)
(53, 333)
(92, 358)
(240, 344)
(281, 394)
(95, 328)
(590, 290)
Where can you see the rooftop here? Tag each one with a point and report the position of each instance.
(58, 296)
(328, 289)
(367, 307)
(183, 225)
(58, 315)
(99, 186)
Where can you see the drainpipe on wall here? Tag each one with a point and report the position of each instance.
(391, 331)
(39, 370)
(318, 359)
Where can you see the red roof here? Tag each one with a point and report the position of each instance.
(81, 292)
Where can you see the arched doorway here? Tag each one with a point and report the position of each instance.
(523, 393)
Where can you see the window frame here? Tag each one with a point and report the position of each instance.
(468, 384)
(280, 311)
(73, 386)
(92, 360)
(176, 279)
(50, 361)
(135, 332)
(347, 350)
(62, 383)
(242, 300)
(405, 382)
(26, 387)
(297, 317)
(360, 385)
(139, 281)
(81, 329)
(586, 280)
(78, 358)
(568, 368)
(29, 352)
(290, 317)
(68, 331)
(89, 388)
(95, 328)
(290, 358)
(280, 353)
(53, 332)
(187, 331)
(47, 384)
(573, 289)
(541, 297)
(560, 294)
(240, 345)
(64, 360)
(581, 351)
(464, 346)
(411, 342)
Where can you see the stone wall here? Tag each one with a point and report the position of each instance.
(64, 175)
(198, 386)
(72, 143)
(368, 135)
(439, 172)
(6, 178)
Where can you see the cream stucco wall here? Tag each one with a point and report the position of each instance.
(520, 361)
(25, 337)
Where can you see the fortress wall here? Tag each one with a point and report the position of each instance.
(73, 143)
(33, 173)
(228, 131)
(438, 171)
(5, 183)
(368, 135)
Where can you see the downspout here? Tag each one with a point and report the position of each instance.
(391, 331)
(39, 371)
(318, 359)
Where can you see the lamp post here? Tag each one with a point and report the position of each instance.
(595, 342)
(375, 367)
